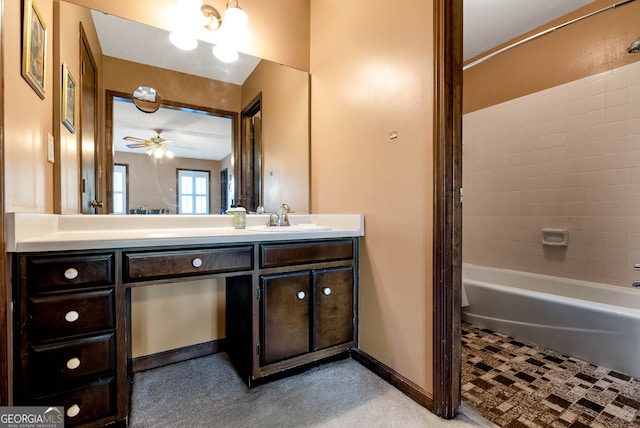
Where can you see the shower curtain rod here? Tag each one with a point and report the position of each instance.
(543, 33)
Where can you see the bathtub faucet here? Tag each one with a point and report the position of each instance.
(635, 284)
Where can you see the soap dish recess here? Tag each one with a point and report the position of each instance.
(555, 237)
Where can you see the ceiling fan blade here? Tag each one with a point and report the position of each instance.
(137, 140)
(137, 146)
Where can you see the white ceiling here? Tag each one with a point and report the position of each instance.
(487, 24)
(190, 134)
(133, 41)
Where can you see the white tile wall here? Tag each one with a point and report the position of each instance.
(567, 157)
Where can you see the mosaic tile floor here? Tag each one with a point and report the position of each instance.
(515, 385)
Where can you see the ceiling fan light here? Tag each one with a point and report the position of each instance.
(158, 153)
(225, 53)
(169, 154)
(182, 40)
(149, 151)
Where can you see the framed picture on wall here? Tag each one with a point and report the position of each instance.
(34, 46)
(68, 95)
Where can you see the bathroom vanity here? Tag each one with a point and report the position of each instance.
(291, 298)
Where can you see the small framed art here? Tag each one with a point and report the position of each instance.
(34, 47)
(68, 95)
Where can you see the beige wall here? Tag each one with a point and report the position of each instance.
(371, 73)
(171, 316)
(28, 120)
(285, 133)
(153, 183)
(126, 76)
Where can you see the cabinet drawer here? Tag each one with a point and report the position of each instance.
(58, 272)
(168, 264)
(90, 402)
(70, 314)
(272, 255)
(50, 364)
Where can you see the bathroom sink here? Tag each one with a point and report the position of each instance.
(293, 228)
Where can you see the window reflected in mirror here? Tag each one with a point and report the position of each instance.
(193, 192)
(120, 176)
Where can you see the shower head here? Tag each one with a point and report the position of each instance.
(635, 46)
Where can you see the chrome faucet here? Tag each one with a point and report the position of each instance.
(636, 267)
(280, 218)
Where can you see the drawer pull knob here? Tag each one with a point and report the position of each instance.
(326, 291)
(71, 316)
(73, 411)
(71, 273)
(301, 295)
(73, 363)
(197, 262)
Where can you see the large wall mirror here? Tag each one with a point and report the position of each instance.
(198, 121)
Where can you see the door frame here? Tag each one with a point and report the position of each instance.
(447, 222)
(5, 327)
(97, 146)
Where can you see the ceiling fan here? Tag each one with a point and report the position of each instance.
(155, 145)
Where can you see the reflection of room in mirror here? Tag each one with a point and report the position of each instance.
(134, 54)
(198, 140)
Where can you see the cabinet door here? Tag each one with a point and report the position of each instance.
(285, 316)
(333, 307)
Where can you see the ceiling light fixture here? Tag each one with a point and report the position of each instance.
(160, 152)
(230, 27)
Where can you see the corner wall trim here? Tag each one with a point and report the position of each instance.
(401, 383)
(165, 358)
(447, 208)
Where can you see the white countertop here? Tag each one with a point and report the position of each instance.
(27, 232)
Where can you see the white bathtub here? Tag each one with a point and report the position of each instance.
(594, 322)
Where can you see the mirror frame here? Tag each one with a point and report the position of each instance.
(250, 180)
(110, 95)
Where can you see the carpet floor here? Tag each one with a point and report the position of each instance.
(516, 385)
(207, 392)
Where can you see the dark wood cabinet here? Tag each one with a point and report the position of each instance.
(181, 263)
(303, 307)
(333, 316)
(288, 304)
(66, 349)
(305, 311)
(285, 303)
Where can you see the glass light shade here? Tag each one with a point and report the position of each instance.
(235, 17)
(225, 53)
(211, 23)
(183, 41)
(158, 153)
(169, 154)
